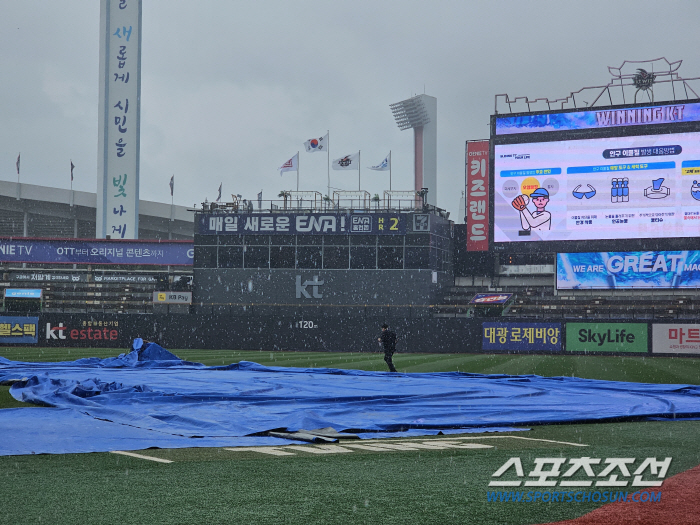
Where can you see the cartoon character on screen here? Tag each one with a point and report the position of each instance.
(540, 219)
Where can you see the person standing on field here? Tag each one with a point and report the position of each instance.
(388, 341)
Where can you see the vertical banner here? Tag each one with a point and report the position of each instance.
(477, 195)
(119, 119)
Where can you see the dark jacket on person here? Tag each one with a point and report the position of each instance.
(389, 341)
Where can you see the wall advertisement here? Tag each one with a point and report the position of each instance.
(607, 337)
(68, 251)
(521, 337)
(18, 330)
(675, 338)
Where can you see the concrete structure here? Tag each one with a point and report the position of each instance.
(420, 114)
(27, 210)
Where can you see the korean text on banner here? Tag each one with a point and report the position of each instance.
(477, 196)
(119, 119)
(675, 339)
(18, 330)
(521, 337)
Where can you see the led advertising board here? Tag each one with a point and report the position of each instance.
(565, 180)
(625, 270)
(308, 223)
(73, 251)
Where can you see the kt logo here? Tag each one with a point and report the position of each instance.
(302, 291)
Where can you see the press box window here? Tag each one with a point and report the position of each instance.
(309, 257)
(256, 256)
(390, 258)
(282, 257)
(363, 258)
(205, 257)
(417, 258)
(230, 257)
(336, 257)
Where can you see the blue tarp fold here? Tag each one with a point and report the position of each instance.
(156, 393)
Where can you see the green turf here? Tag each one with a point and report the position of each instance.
(218, 486)
(449, 486)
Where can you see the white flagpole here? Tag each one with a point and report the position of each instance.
(19, 190)
(172, 191)
(328, 161)
(359, 169)
(297, 171)
(71, 183)
(389, 170)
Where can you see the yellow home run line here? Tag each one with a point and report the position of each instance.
(140, 456)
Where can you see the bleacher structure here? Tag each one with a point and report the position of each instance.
(37, 212)
(536, 297)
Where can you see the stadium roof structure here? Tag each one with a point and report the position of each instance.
(28, 210)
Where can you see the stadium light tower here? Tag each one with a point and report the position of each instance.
(420, 113)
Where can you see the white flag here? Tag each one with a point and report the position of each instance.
(349, 162)
(291, 165)
(320, 144)
(384, 165)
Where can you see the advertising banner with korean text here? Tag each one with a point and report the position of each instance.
(606, 337)
(521, 337)
(616, 270)
(306, 224)
(675, 338)
(66, 251)
(18, 330)
(119, 119)
(477, 196)
(606, 188)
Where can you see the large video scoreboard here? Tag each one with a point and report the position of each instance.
(622, 177)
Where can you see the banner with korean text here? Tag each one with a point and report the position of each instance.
(119, 116)
(64, 251)
(18, 330)
(675, 338)
(521, 337)
(477, 195)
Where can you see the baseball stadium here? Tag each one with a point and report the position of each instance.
(223, 363)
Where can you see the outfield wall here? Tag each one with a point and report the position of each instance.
(353, 334)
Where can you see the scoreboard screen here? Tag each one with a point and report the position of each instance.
(573, 181)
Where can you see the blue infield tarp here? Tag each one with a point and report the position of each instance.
(151, 398)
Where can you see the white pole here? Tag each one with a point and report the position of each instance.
(389, 170)
(297, 171)
(359, 169)
(328, 161)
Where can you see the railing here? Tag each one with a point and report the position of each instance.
(299, 204)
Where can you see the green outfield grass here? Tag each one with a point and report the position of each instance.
(405, 487)
(416, 487)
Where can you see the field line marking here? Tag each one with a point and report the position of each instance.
(529, 439)
(319, 449)
(273, 451)
(489, 437)
(140, 456)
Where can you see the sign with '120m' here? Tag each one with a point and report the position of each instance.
(606, 337)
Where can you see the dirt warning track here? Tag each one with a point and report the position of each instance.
(678, 506)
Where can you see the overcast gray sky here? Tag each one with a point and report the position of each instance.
(232, 89)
